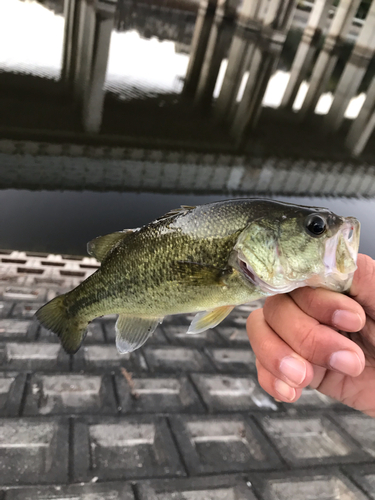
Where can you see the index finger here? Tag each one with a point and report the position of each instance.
(330, 308)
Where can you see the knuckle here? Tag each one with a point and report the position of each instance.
(252, 322)
(265, 349)
(367, 265)
(307, 343)
(363, 287)
(369, 271)
(366, 270)
(264, 379)
(311, 301)
(268, 355)
(273, 306)
(264, 385)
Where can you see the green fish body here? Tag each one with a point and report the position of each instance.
(205, 259)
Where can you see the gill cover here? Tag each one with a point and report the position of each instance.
(257, 247)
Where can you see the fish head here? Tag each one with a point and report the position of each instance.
(299, 247)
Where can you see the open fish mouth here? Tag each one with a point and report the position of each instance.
(338, 266)
(340, 256)
(342, 248)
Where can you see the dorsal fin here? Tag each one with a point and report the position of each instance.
(176, 211)
(101, 246)
(187, 207)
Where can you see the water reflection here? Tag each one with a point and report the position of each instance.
(161, 72)
(43, 221)
(31, 39)
(122, 59)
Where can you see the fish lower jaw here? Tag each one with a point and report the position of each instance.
(336, 281)
(333, 280)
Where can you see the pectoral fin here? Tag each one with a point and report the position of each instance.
(209, 319)
(132, 332)
(102, 245)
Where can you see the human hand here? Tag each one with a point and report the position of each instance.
(297, 344)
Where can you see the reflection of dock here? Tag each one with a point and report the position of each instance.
(233, 124)
(33, 165)
(252, 44)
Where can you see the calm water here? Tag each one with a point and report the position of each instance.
(63, 222)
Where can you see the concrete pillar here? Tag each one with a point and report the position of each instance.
(71, 13)
(240, 54)
(94, 26)
(279, 14)
(248, 110)
(363, 126)
(202, 30)
(354, 72)
(252, 12)
(264, 60)
(329, 54)
(218, 42)
(85, 46)
(306, 50)
(94, 91)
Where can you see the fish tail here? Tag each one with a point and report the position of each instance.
(70, 329)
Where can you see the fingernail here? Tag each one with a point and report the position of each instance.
(346, 362)
(285, 390)
(347, 320)
(294, 369)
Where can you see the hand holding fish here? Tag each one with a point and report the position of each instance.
(296, 341)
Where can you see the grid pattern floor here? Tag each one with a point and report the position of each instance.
(181, 418)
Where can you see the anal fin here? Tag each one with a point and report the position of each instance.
(132, 332)
(209, 319)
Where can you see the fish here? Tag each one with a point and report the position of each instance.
(205, 260)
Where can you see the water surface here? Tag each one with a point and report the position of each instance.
(63, 222)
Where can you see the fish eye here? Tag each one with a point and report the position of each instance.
(315, 225)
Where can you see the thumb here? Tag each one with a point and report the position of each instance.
(363, 287)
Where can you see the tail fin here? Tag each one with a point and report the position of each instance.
(70, 330)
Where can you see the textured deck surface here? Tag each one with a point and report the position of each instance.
(181, 418)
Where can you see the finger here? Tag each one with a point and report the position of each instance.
(317, 343)
(275, 355)
(330, 308)
(366, 339)
(276, 387)
(319, 375)
(363, 287)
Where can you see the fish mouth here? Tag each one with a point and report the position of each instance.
(339, 265)
(340, 256)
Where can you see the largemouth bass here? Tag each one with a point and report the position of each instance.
(205, 259)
